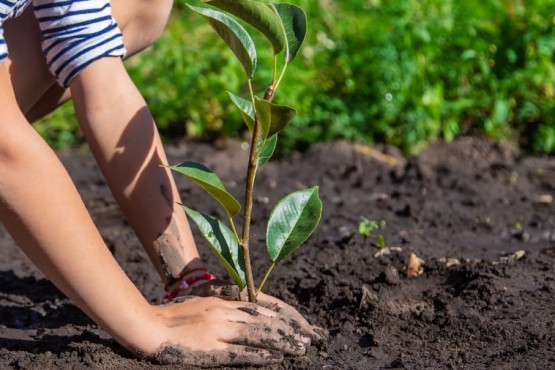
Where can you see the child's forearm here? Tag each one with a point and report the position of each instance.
(124, 139)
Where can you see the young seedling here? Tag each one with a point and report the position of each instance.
(294, 218)
(366, 227)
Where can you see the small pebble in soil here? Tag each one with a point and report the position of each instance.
(543, 198)
(391, 276)
(449, 262)
(348, 327)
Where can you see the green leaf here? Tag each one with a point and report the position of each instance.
(211, 183)
(259, 15)
(282, 115)
(234, 35)
(365, 227)
(245, 107)
(223, 243)
(293, 20)
(266, 149)
(292, 221)
(273, 118)
(264, 114)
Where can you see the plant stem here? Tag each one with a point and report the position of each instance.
(270, 91)
(251, 175)
(266, 277)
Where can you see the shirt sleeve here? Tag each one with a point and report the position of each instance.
(3, 46)
(75, 33)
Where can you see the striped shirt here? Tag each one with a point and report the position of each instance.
(75, 33)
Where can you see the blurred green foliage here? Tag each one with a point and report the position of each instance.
(399, 71)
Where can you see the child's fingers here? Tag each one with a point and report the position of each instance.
(293, 317)
(270, 333)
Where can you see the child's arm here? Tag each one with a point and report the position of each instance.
(42, 210)
(124, 140)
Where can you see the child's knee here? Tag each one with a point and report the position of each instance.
(153, 18)
(141, 21)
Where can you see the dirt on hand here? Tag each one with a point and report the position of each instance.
(480, 214)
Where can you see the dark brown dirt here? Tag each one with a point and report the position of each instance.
(464, 207)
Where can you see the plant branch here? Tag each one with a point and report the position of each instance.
(270, 91)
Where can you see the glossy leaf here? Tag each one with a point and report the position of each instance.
(245, 108)
(266, 149)
(264, 115)
(223, 243)
(292, 221)
(234, 35)
(293, 20)
(259, 15)
(273, 118)
(211, 183)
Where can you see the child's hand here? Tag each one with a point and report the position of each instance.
(231, 292)
(211, 331)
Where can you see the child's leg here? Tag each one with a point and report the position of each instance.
(129, 152)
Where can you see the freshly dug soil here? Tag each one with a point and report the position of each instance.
(480, 214)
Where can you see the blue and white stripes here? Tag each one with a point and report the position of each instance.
(3, 46)
(74, 34)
